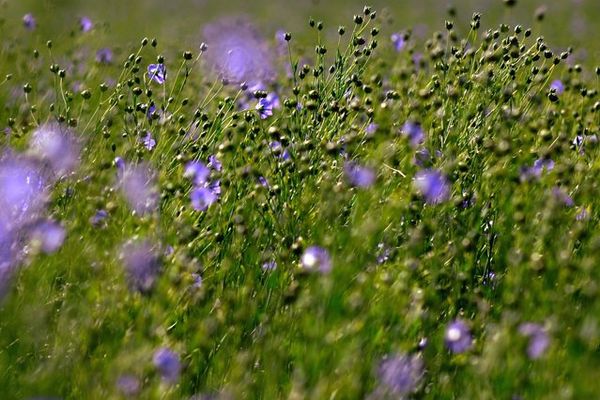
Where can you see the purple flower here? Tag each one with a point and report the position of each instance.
(202, 198)
(316, 259)
(85, 24)
(57, 146)
(168, 365)
(358, 175)
(542, 164)
(7, 251)
(269, 266)
(157, 73)
(400, 374)
(237, 52)
(562, 196)
(266, 105)
(99, 217)
(278, 149)
(414, 133)
(422, 158)
(458, 336)
(582, 215)
(129, 385)
(148, 141)
(263, 181)
(104, 56)
(398, 41)
(50, 235)
(557, 86)
(142, 265)
(23, 190)
(538, 339)
(198, 172)
(433, 185)
(214, 162)
(29, 21)
(371, 129)
(138, 185)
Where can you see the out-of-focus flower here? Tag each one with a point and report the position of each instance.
(316, 259)
(23, 190)
(142, 265)
(99, 217)
(104, 56)
(202, 198)
(562, 196)
(269, 266)
(266, 105)
(129, 385)
(197, 171)
(50, 236)
(237, 52)
(557, 86)
(29, 21)
(138, 185)
(157, 73)
(358, 175)
(371, 129)
(168, 364)
(458, 336)
(148, 141)
(538, 339)
(214, 162)
(85, 24)
(278, 149)
(398, 41)
(400, 374)
(414, 133)
(433, 185)
(57, 146)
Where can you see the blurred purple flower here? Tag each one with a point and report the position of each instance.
(50, 235)
(148, 141)
(582, 215)
(29, 21)
(198, 172)
(266, 105)
(316, 259)
(23, 190)
(237, 52)
(433, 185)
(104, 56)
(538, 339)
(142, 265)
(168, 365)
(542, 164)
(202, 198)
(138, 185)
(99, 217)
(358, 175)
(400, 374)
(269, 266)
(398, 41)
(557, 86)
(414, 133)
(57, 146)
(278, 149)
(85, 24)
(371, 129)
(213, 162)
(128, 385)
(157, 73)
(458, 336)
(422, 158)
(562, 196)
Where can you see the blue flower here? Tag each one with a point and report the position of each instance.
(104, 56)
(278, 149)
(266, 105)
(148, 141)
(398, 41)
(358, 175)
(557, 86)
(168, 365)
(433, 185)
(198, 172)
(316, 259)
(538, 339)
(85, 24)
(50, 235)
(142, 265)
(157, 73)
(29, 21)
(202, 198)
(458, 336)
(400, 374)
(414, 132)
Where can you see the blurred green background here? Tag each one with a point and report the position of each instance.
(567, 22)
